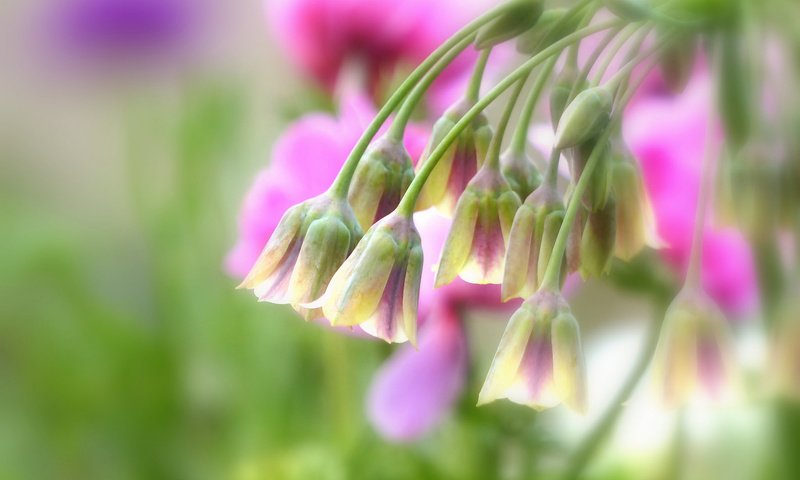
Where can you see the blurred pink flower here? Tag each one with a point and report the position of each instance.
(668, 136)
(377, 36)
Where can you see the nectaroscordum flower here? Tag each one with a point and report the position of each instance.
(382, 177)
(635, 219)
(377, 287)
(693, 357)
(527, 255)
(460, 163)
(476, 246)
(539, 362)
(308, 246)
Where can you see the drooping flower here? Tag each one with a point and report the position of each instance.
(377, 287)
(667, 134)
(476, 245)
(304, 163)
(460, 163)
(382, 177)
(527, 254)
(635, 218)
(539, 362)
(310, 243)
(693, 357)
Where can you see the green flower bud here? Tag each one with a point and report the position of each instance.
(380, 180)
(309, 244)
(460, 163)
(584, 118)
(551, 27)
(520, 172)
(676, 62)
(562, 88)
(597, 241)
(693, 357)
(539, 362)
(635, 219)
(526, 242)
(476, 244)
(521, 16)
(377, 287)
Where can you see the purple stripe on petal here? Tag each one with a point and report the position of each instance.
(275, 288)
(390, 309)
(537, 367)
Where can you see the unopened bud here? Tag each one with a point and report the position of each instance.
(380, 180)
(377, 287)
(584, 118)
(520, 17)
(476, 245)
(459, 164)
(310, 243)
(539, 362)
(562, 89)
(520, 172)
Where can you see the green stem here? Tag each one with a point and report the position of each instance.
(474, 88)
(409, 200)
(397, 130)
(587, 67)
(493, 153)
(551, 176)
(341, 184)
(622, 40)
(553, 271)
(592, 442)
(520, 140)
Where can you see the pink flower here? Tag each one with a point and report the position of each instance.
(668, 136)
(325, 36)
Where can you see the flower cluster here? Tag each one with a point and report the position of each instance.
(518, 223)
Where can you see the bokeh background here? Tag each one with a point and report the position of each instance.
(126, 352)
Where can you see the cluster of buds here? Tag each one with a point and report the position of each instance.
(511, 225)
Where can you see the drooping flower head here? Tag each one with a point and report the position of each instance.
(310, 243)
(476, 245)
(377, 287)
(693, 358)
(460, 163)
(539, 362)
(381, 179)
(528, 253)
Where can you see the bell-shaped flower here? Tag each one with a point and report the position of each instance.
(539, 362)
(527, 254)
(476, 245)
(377, 287)
(597, 241)
(380, 180)
(305, 250)
(520, 172)
(635, 219)
(460, 163)
(693, 359)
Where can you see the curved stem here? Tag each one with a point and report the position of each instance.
(622, 40)
(551, 176)
(398, 128)
(587, 67)
(474, 88)
(409, 200)
(341, 184)
(493, 153)
(520, 139)
(592, 442)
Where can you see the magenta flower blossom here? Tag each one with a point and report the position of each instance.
(377, 36)
(668, 135)
(122, 30)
